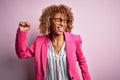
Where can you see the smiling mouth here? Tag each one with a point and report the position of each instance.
(60, 29)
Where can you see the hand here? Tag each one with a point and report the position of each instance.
(24, 26)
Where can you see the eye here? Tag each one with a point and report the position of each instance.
(58, 19)
(65, 21)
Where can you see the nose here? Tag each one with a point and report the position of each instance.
(62, 23)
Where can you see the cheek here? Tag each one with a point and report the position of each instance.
(53, 24)
(53, 27)
(65, 26)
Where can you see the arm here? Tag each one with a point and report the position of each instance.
(81, 60)
(20, 45)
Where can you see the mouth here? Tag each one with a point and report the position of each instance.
(61, 29)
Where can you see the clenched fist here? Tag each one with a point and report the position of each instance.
(24, 26)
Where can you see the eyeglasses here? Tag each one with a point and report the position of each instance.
(59, 20)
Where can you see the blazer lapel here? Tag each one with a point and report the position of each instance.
(70, 48)
(70, 53)
(44, 53)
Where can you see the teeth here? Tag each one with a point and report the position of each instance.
(61, 29)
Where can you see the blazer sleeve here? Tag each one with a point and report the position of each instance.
(81, 60)
(21, 48)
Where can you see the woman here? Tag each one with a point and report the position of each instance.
(56, 52)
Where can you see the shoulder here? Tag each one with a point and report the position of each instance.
(75, 37)
(42, 38)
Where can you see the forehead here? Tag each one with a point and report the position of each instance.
(61, 15)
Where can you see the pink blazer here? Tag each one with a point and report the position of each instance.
(39, 50)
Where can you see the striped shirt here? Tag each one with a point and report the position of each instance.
(56, 64)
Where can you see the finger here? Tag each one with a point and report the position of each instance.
(22, 24)
(27, 24)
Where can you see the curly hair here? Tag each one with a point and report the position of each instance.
(49, 13)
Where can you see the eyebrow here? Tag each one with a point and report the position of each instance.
(61, 19)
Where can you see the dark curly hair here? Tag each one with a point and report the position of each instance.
(49, 13)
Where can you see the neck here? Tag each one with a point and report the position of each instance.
(57, 39)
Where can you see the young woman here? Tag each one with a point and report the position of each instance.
(56, 52)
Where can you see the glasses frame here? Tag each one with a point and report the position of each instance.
(60, 20)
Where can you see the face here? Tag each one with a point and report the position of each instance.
(59, 24)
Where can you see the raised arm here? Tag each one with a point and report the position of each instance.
(20, 45)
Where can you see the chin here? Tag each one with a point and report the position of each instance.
(59, 33)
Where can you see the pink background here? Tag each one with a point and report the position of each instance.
(97, 21)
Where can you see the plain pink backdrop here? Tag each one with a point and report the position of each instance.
(97, 21)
